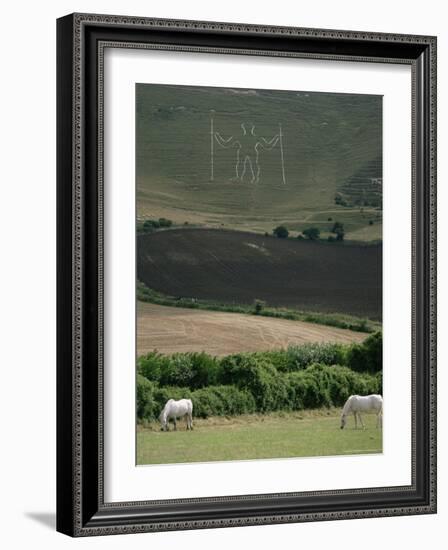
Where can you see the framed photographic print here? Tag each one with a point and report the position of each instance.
(246, 274)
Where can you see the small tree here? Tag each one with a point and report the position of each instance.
(258, 306)
(148, 226)
(340, 200)
(281, 232)
(163, 222)
(312, 233)
(338, 229)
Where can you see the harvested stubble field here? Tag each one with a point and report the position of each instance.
(238, 267)
(173, 329)
(277, 435)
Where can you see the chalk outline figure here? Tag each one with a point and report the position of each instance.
(247, 154)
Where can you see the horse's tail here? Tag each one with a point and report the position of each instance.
(381, 403)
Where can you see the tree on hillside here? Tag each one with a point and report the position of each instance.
(312, 233)
(281, 232)
(163, 222)
(340, 200)
(148, 226)
(338, 229)
(151, 225)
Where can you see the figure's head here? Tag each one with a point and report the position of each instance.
(343, 421)
(248, 126)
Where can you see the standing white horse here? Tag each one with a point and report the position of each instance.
(177, 409)
(362, 403)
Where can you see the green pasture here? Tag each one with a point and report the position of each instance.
(276, 435)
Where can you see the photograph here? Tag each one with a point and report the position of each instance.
(246, 273)
(259, 259)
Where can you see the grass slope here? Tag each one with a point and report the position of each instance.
(309, 433)
(327, 139)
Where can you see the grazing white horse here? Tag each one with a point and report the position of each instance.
(362, 403)
(177, 409)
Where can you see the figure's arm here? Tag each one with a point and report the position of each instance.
(229, 142)
(269, 144)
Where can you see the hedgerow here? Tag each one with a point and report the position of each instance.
(254, 385)
(199, 370)
(299, 377)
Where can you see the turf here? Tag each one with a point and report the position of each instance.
(287, 435)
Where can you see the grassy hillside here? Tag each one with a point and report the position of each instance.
(328, 139)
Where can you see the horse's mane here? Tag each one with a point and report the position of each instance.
(347, 405)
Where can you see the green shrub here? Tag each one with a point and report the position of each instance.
(303, 392)
(205, 370)
(222, 401)
(164, 222)
(326, 386)
(338, 229)
(368, 356)
(268, 387)
(147, 405)
(278, 358)
(231, 370)
(148, 226)
(299, 357)
(312, 233)
(192, 370)
(254, 373)
(379, 378)
(152, 365)
(281, 232)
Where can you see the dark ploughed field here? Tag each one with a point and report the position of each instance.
(238, 267)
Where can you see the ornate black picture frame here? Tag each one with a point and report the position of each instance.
(81, 508)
